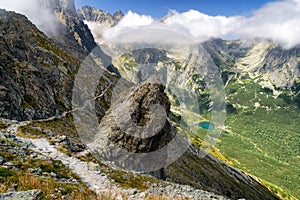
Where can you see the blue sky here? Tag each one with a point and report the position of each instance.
(159, 8)
(228, 19)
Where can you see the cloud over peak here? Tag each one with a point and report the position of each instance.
(278, 21)
(200, 25)
(37, 12)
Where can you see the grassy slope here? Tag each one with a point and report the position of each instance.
(263, 141)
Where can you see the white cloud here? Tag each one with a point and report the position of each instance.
(134, 19)
(201, 25)
(37, 12)
(278, 21)
(130, 21)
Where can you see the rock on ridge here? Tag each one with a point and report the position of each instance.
(136, 108)
(136, 123)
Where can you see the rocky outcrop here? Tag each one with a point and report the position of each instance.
(98, 20)
(25, 195)
(135, 110)
(136, 123)
(102, 17)
(117, 16)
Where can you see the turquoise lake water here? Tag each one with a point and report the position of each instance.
(207, 125)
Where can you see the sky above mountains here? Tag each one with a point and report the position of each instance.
(277, 21)
(159, 8)
(273, 20)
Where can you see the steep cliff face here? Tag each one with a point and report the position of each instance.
(60, 22)
(36, 75)
(37, 72)
(281, 67)
(72, 34)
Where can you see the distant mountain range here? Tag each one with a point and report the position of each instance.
(274, 66)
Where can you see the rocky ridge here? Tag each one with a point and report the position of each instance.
(91, 14)
(35, 73)
(71, 34)
(98, 20)
(270, 65)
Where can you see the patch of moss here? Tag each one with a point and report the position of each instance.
(130, 180)
(64, 150)
(4, 173)
(162, 197)
(6, 155)
(29, 132)
(63, 126)
(3, 126)
(104, 105)
(51, 188)
(47, 166)
(177, 65)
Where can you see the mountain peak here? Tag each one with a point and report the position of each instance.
(92, 14)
